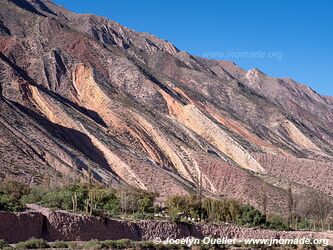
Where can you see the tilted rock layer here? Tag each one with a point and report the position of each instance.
(80, 93)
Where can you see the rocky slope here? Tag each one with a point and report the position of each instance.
(81, 93)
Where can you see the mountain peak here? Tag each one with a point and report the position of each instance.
(253, 75)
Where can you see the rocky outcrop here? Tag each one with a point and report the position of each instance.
(15, 227)
(193, 118)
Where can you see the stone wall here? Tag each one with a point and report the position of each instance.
(15, 227)
(58, 225)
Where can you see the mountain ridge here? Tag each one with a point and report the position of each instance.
(82, 94)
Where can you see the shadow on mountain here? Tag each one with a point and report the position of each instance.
(4, 31)
(23, 4)
(72, 137)
(164, 87)
(87, 112)
(44, 8)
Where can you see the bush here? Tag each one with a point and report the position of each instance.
(35, 195)
(251, 216)
(4, 245)
(79, 198)
(104, 199)
(32, 244)
(277, 222)
(107, 244)
(226, 210)
(73, 245)
(93, 244)
(188, 205)
(223, 210)
(111, 205)
(213, 210)
(118, 244)
(8, 204)
(177, 204)
(14, 188)
(58, 199)
(145, 245)
(95, 200)
(146, 204)
(134, 200)
(304, 224)
(60, 244)
(10, 195)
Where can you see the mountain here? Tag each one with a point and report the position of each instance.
(81, 95)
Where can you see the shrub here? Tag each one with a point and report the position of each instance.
(111, 205)
(104, 199)
(221, 210)
(276, 222)
(108, 244)
(119, 244)
(14, 188)
(304, 224)
(146, 204)
(60, 244)
(73, 245)
(10, 195)
(145, 245)
(251, 216)
(127, 244)
(58, 199)
(4, 245)
(32, 244)
(35, 195)
(93, 244)
(7, 204)
(95, 200)
(134, 200)
(188, 205)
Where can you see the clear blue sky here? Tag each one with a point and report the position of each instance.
(294, 38)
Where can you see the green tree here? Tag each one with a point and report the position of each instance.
(251, 216)
(11, 193)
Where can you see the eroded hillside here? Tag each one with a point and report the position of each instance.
(80, 93)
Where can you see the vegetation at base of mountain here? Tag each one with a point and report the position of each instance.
(95, 200)
(10, 195)
(218, 211)
(137, 204)
(90, 199)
